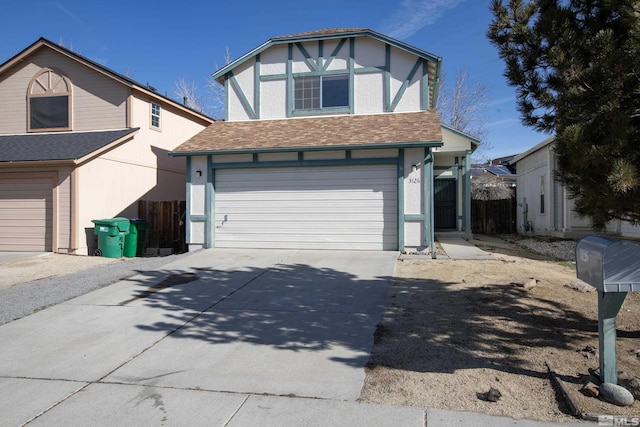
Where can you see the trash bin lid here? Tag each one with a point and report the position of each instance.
(121, 223)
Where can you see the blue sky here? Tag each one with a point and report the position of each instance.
(158, 42)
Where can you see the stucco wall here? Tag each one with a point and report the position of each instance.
(140, 169)
(368, 88)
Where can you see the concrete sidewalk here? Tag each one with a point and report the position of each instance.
(457, 248)
(217, 338)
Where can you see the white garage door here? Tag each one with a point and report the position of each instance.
(342, 207)
(25, 214)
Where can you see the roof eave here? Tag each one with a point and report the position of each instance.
(415, 144)
(107, 147)
(132, 84)
(531, 150)
(218, 75)
(31, 163)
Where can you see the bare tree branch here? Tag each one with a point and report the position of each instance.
(187, 92)
(463, 106)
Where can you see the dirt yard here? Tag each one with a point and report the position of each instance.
(454, 329)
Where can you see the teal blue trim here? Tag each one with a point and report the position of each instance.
(466, 192)
(199, 218)
(333, 54)
(321, 73)
(357, 33)
(300, 156)
(310, 61)
(425, 86)
(307, 163)
(243, 99)
(290, 83)
(273, 77)
(405, 85)
(609, 304)
(226, 97)
(322, 111)
(256, 87)
(210, 206)
(429, 226)
(352, 64)
(436, 82)
(187, 219)
(387, 78)
(401, 241)
(316, 148)
(410, 217)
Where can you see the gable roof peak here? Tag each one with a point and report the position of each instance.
(322, 32)
(43, 42)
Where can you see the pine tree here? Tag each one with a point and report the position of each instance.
(575, 65)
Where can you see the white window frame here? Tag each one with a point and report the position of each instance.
(156, 116)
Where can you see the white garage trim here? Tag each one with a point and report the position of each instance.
(26, 212)
(329, 207)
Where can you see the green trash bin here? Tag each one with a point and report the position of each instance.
(142, 226)
(134, 241)
(111, 234)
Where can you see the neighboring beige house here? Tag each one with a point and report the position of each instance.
(544, 206)
(331, 141)
(81, 142)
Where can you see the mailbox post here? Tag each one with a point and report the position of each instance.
(613, 268)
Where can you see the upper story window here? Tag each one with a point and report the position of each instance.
(49, 102)
(155, 115)
(319, 92)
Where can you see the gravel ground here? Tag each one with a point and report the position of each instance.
(26, 298)
(560, 249)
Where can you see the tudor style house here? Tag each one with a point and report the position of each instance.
(331, 141)
(80, 142)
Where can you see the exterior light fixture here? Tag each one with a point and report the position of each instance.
(198, 173)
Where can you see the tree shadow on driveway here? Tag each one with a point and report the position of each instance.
(292, 307)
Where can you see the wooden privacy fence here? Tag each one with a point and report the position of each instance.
(493, 216)
(166, 227)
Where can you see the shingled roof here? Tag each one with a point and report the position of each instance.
(323, 32)
(57, 146)
(349, 131)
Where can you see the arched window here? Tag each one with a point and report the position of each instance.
(49, 102)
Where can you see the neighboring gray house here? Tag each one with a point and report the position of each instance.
(544, 206)
(331, 141)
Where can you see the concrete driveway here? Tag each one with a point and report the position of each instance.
(220, 337)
